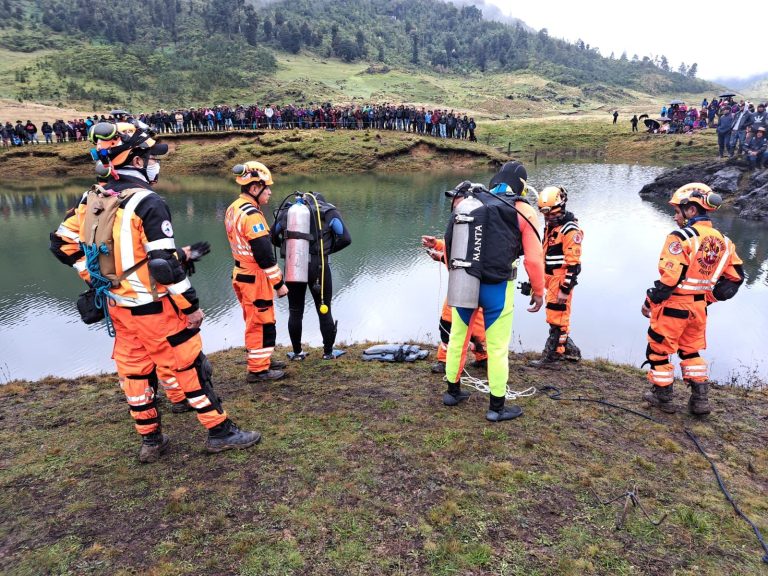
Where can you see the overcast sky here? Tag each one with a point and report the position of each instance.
(681, 32)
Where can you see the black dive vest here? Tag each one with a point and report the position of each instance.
(495, 240)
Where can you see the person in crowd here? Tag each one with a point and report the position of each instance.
(698, 266)
(155, 311)
(562, 266)
(760, 118)
(256, 275)
(724, 126)
(634, 122)
(615, 116)
(741, 120)
(507, 231)
(47, 131)
(756, 148)
(327, 235)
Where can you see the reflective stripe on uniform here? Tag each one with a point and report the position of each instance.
(80, 266)
(663, 376)
(127, 256)
(65, 232)
(162, 244)
(180, 287)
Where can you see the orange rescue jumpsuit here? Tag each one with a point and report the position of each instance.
(254, 278)
(691, 262)
(562, 265)
(477, 329)
(65, 245)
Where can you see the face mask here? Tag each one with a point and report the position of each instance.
(153, 171)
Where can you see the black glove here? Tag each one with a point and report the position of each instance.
(196, 252)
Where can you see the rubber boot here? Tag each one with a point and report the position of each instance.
(153, 446)
(572, 352)
(438, 367)
(480, 363)
(497, 412)
(698, 403)
(549, 356)
(227, 436)
(661, 398)
(264, 375)
(454, 395)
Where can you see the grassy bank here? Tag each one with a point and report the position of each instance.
(548, 139)
(363, 471)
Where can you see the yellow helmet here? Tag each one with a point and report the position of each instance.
(252, 172)
(552, 199)
(696, 193)
(115, 142)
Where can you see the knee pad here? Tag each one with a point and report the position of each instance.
(204, 370)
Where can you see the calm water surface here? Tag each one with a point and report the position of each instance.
(387, 288)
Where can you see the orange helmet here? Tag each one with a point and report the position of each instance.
(552, 199)
(116, 142)
(696, 193)
(252, 172)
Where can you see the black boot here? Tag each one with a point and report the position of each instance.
(454, 395)
(180, 407)
(549, 356)
(264, 375)
(572, 352)
(698, 404)
(153, 446)
(497, 412)
(661, 397)
(438, 367)
(227, 436)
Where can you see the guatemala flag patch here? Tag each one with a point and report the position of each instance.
(258, 227)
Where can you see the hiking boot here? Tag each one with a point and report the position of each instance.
(180, 407)
(661, 398)
(153, 446)
(480, 363)
(254, 377)
(227, 436)
(698, 403)
(277, 364)
(438, 367)
(454, 395)
(572, 352)
(497, 412)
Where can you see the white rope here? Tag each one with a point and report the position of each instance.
(482, 386)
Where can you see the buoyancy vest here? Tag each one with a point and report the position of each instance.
(495, 240)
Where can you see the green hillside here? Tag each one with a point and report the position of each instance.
(186, 52)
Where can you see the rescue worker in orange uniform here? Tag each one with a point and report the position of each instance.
(436, 249)
(65, 245)
(698, 266)
(152, 305)
(562, 266)
(256, 275)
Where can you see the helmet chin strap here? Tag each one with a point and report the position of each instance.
(256, 197)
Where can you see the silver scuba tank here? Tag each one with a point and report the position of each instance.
(297, 249)
(463, 289)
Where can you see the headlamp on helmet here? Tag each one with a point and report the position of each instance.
(696, 193)
(252, 171)
(552, 199)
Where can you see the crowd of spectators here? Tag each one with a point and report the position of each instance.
(418, 120)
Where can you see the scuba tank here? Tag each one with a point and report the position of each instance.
(463, 289)
(297, 243)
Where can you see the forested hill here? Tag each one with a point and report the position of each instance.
(195, 50)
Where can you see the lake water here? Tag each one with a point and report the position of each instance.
(387, 288)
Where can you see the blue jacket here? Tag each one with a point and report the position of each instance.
(725, 124)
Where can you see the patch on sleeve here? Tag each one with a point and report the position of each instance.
(167, 228)
(669, 265)
(675, 248)
(258, 227)
(578, 237)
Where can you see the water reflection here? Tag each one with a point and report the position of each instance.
(386, 286)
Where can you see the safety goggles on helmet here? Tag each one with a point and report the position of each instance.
(252, 172)
(552, 199)
(696, 193)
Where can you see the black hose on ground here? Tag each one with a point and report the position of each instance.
(556, 394)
